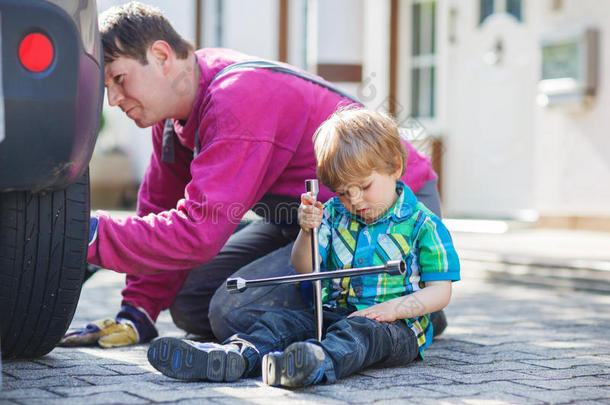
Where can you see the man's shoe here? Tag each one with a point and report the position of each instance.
(301, 364)
(188, 360)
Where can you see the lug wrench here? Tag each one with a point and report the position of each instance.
(393, 268)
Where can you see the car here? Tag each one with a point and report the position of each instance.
(51, 96)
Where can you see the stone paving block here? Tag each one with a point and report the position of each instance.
(572, 372)
(494, 366)
(127, 386)
(61, 353)
(6, 379)
(432, 361)
(170, 383)
(492, 398)
(438, 372)
(52, 362)
(567, 383)
(476, 378)
(28, 393)
(298, 399)
(602, 401)
(489, 340)
(483, 355)
(105, 398)
(260, 390)
(175, 395)
(36, 374)
(341, 391)
(130, 369)
(418, 401)
(447, 340)
(52, 381)
(389, 382)
(124, 355)
(200, 401)
(563, 363)
(414, 375)
(547, 395)
(386, 372)
(556, 349)
(99, 356)
(117, 379)
(455, 390)
(7, 366)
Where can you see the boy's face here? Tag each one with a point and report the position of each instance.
(370, 198)
(136, 89)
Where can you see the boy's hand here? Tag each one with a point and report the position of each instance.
(310, 214)
(383, 312)
(433, 298)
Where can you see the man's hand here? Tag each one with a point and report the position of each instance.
(131, 326)
(310, 213)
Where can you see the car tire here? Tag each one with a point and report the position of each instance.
(43, 252)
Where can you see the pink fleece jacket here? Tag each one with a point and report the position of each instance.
(255, 129)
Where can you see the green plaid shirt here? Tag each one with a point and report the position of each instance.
(408, 231)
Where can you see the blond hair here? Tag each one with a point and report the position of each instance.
(353, 143)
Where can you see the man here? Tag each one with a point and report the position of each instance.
(222, 145)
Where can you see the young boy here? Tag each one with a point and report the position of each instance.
(370, 319)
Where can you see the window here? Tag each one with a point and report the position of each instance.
(423, 57)
(488, 7)
(513, 7)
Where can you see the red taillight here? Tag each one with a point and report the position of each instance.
(36, 52)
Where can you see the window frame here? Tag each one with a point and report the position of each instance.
(419, 60)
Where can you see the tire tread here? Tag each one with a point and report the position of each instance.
(43, 248)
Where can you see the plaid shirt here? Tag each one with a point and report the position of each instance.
(408, 231)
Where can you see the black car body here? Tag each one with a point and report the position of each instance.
(51, 117)
(51, 96)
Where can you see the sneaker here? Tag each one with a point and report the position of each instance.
(189, 360)
(301, 364)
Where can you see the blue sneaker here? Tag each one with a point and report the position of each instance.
(301, 364)
(188, 360)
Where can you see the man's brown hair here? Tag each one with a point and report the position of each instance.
(130, 29)
(353, 143)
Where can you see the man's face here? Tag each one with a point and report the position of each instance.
(136, 89)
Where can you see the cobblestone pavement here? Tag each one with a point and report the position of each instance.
(507, 343)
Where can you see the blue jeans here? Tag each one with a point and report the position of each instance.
(350, 344)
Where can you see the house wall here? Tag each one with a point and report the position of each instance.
(568, 150)
(572, 165)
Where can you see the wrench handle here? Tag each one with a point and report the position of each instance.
(313, 187)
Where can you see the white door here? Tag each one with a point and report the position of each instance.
(489, 149)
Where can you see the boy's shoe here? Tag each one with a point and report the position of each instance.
(439, 322)
(301, 364)
(189, 360)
